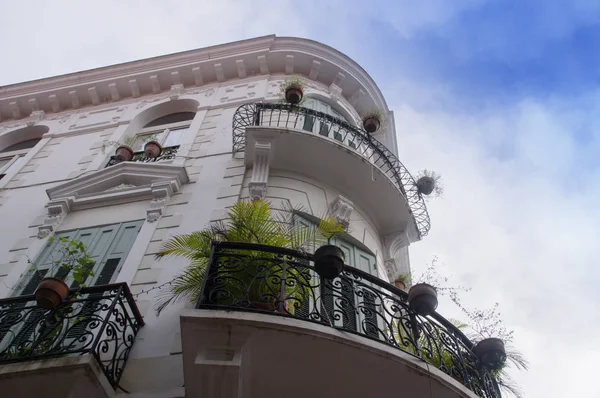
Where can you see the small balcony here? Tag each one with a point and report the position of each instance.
(265, 318)
(167, 153)
(78, 349)
(331, 150)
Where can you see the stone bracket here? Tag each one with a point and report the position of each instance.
(57, 210)
(263, 153)
(341, 209)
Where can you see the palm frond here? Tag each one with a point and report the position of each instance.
(186, 286)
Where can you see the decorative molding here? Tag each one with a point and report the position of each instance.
(289, 64)
(57, 210)
(176, 91)
(74, 99)
(260, 169)
(16, 110)
(258, 190)
(341, 209)
(123, 183)
(155, 84)
(392, 247)
(119, 187)
(114, 91)
(54, 102)
(314, 70)
(219, 72)
(198, 81)
(241, 69)
(175, 79)
(135, 89)
(264, 66)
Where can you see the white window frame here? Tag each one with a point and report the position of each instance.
(163, 131)
(13, 157)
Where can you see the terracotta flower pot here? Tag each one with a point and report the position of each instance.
(491, 353)
(329, 261)
(51, 292)
(152, 149)
(371, 124)
(426, 185)
(400, 284)
(124, 153)
(422, 298)
(294, 95)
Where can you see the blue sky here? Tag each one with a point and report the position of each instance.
(500, 97)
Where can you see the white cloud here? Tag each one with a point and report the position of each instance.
(514, 228)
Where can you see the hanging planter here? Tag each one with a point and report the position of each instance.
(491, 353)
(152, 149)
(329, 261)
(422, 298)
(124, 153)
(372, 120)
(426, 185)
(51, 292)
(429, 182)
(293, 90)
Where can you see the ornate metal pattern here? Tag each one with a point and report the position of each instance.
(283, 282)
(295, 117)
(166, 154)
(102, 321)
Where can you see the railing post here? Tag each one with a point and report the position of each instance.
(281, 304)
(207, 275)
(416, 335)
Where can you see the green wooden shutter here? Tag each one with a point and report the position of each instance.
(117, 252)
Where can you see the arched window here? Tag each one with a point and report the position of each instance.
(321, 106)
(14, 145)
(168, 130)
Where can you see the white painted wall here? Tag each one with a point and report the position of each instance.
(73, 147)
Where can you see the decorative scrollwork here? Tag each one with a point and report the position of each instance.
(166, 154)
(304, 119)
(283, 282)
(101, 320)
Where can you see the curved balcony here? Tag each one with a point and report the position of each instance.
(299, 119)
(282, 283)
(79, 348)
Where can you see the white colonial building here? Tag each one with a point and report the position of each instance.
(225, 136)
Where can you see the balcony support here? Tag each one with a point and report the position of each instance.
(263, 153)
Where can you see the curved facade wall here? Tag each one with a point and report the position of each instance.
(78, 144)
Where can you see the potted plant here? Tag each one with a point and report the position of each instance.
(423, 296)
(292, 89)
(492, 344)
(124, 151)
(152, 149)
(372, 120)
(70, 258)
(429, 182)
(257, 284)
(401, 280)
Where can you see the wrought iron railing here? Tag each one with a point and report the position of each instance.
(166, 154)
(102, 321)
(282, 282)
(299, 118)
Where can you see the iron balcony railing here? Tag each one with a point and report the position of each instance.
(102, 321)
(299, 118)
(166, 154)
(283, 282)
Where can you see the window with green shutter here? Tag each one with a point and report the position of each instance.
(108, 245)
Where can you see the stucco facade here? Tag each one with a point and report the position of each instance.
(62, 183)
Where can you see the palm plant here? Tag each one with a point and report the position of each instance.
(248, 222)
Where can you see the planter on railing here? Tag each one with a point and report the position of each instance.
(311, 121)
(102, 321)
(284, 282)
(166, 154)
